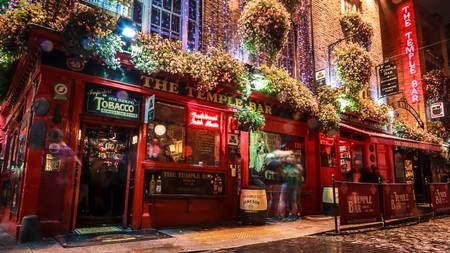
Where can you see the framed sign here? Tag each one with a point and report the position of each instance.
(388, 79)
(321, 77)
(112, 102)
(437, 110)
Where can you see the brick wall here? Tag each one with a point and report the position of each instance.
(327, 30)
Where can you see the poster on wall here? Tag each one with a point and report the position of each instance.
(358, 203)
(399, 201)
(388, 79)
(437, 110)
(112, 102)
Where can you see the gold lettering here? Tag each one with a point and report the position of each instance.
(146, 80)
(223, 99)
(260, 108)
(268, 109)
(238, 102)
(190, 91)
(173, 88)
(252, 105)
(201, 95)
(211, 97)
(160, 85)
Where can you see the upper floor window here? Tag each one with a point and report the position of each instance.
(175, 19)
(351, 6)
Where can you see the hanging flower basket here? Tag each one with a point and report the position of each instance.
(353, 66)
(435, 82)
(264, 26)
(249, 120)
(356, 29)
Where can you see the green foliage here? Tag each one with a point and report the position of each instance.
(152, 54)
(329, 95)
(435, 85)
(353, 66)
(403, 130)
(438, 129)
(248, 119)
(290, 90)
(89, 34)
(14, 25)
(328, 117)
(264, 25)
(356, 29)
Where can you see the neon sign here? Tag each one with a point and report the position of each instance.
(204, 119)
(413, 89)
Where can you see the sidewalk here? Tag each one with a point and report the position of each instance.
(186, 240)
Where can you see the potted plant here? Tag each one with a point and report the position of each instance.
(248, 119)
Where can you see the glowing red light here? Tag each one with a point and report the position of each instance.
(204, 119)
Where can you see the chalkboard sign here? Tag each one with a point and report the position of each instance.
(160, 182)
(388, 79)
(112, 102)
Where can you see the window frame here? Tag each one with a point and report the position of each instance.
(184, 21)
(351, 6)
(187, 129)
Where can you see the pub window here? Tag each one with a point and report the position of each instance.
(167, 134)
(170, 17)
(171, 139)
(351, 6)
(287, 56)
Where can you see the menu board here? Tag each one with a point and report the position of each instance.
(388, 79)
(204, 146)
(162, 182)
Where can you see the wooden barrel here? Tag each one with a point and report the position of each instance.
(253, 205)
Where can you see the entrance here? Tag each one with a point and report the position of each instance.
(105, 176)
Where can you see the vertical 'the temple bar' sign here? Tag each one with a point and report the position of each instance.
(413, 86)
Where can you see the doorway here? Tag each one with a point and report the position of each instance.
(107, 154)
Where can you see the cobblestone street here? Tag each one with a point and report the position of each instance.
(429, 236)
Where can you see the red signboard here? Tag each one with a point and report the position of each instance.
(399, 201)
(440, 197)
(358, 203)
(412, 76)
(206, 119)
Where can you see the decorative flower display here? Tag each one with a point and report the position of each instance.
(403, 130)
(438, 129)
(264, 25)
(248, 119)
(329, 95)
(435, 82)
(290, 90)
(353, 66)
(328, 117)
(356, 29)
(89, 32)
(14, 25)
(368, 109)
(152, 54)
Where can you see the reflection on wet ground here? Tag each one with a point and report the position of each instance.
(306, 244)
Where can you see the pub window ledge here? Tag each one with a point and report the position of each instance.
(152, 165)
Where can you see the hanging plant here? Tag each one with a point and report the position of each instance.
(328, 117)
(248, 119)
(152, 54)
(329, 95)
(435, 82)
(14, 25)
(403, 130)
(353, 66)
(290, 90)
(438, 129)
(89, 34)
(356, 29)
(264, 26)
(368, 109)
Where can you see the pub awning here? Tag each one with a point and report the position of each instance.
(387, 139)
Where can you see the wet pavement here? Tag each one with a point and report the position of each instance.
(306, 244)
(432, 236)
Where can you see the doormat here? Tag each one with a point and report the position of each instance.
(76, 240)
(97, 230)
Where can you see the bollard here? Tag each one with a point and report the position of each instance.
(30, 229)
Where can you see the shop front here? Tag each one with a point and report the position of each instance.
(122, 148)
